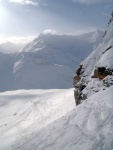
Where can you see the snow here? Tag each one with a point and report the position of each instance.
(66, 43)
(48, 62)
(48, 119)
(102, 56)
(23, 112)
(107, 59)
(82, 128)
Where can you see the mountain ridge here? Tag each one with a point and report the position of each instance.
(47, 62)
(100, 59)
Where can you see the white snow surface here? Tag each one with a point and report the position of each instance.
(78, 45)
(102, 56)
(23, 113)
(49, 120)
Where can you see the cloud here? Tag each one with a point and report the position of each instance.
(16, 40)
(49, 31)
(91, 1)
(84, 30)
(25, 2)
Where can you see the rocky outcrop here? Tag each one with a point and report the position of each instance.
(79, 84)
(101, 73)
(95, 73)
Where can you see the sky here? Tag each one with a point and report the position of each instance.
(22, 20)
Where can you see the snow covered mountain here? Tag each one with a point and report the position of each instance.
(80, 45)
(47, 62)
(101, 57)
(49, 120)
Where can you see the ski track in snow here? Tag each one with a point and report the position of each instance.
(88, 126)
(43, 110)
(49, 121)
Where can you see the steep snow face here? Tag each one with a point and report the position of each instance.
(102, 56)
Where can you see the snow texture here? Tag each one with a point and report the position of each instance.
(102, 56)
(46, 119)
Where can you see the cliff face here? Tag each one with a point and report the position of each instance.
(97, 69)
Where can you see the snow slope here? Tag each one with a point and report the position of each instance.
(102, 56)
(46, 119)
(26, 112)
(90, 126)
(46, 63)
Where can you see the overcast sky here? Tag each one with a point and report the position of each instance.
(28, 18)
